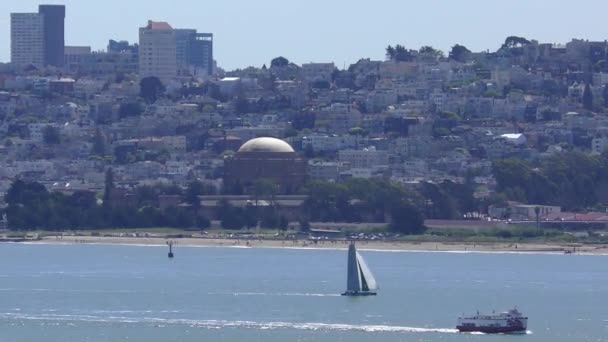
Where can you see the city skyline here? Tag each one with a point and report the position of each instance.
(340, 31)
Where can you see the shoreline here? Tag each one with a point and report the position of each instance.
(405, 246)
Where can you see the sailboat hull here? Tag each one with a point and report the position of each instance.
(359, 293)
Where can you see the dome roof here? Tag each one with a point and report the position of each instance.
(266, 145)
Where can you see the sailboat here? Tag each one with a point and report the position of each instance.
(360, 280)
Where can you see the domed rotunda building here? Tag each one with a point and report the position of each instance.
(265, 158)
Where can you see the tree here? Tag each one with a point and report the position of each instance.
(279, 62)
(104, 114)
(459, 53)
(51, 136)
(399, 54)
(588, 97)
(441, 204)
(108, 187)
(390, 53)
(99, 144)
(407, 220)
(269, 218)
(130, 109)
(195, 189)
(430, 52)
(283, 223)
(264, 188)
(302, 120)
(202, 222)
(304, 225)
(230, 217)
(510, 173)
(151, 88)
(514, 42)
(146, 196)
(179, 217)
(402, 54)
(27, 203)
(241, 103)
(267, 81)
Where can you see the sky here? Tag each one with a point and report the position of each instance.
(251, 33)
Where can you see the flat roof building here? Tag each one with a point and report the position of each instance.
(38, 38)
(157, 51)
(27, 39)
(54, 34)
(194, 51)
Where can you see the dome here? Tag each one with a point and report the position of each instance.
(266, 145)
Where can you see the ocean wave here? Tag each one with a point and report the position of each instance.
(221, 324)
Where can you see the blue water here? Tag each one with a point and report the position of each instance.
(130, 293)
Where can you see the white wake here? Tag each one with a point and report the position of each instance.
(219, 324)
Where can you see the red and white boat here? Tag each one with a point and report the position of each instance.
(510, 322)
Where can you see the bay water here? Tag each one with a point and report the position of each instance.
(135, 293)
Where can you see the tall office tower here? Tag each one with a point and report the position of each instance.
(27, 39)
(183, 38)
(54, 34)
(201, 52)
(157, 51)
(194, 51)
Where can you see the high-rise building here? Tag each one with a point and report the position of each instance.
(27, 39)
(201, 52)
(157, 51)
(194, 51)
(183, 39)
(38, 38)
(54, 34)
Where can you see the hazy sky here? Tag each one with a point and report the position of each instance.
(250, 32)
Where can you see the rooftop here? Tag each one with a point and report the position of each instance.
(158, 25)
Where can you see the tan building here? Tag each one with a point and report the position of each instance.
(157, 51)
(27, 39)
(265, 158)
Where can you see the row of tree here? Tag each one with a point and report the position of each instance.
(380, 200)
(32, 206)
(573, 180)
(399, 53)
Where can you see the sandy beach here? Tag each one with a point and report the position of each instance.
(369, 245)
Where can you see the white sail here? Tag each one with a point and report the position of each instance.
(360, 280)
(366, 274)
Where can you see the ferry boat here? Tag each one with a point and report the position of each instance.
(510, 322)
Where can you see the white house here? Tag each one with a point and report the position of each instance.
(365, 158)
